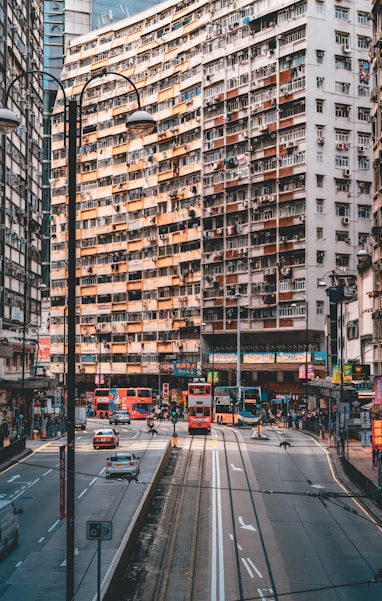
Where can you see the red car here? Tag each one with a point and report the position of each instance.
(107, 438)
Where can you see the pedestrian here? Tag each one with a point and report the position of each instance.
(1, 438)
(152, 430)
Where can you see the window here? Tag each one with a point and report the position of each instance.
(342, 260)
(320, 56)
(320, 81)
(342, 14)
(342, 236)
(320, 181)
(352, 329)
(320, 257)
(319, 205)
(319, 308)
(342, 87)
(320, 156)
(319, 106)
(342, 210)
(363, 18)
(364, 211)
(363, 114)
(342, 110)
(319, 233)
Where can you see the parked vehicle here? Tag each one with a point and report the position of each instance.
(106, 438)
(80, 417)
(123, 464)
(119, 417)
(9, 526)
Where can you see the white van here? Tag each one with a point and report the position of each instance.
(9, 526)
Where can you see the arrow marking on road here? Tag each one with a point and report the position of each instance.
(236, 469)
(246, 526)
(13, 478)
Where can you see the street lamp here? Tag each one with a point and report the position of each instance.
(238, 351)
(139, 123)
(335, 293)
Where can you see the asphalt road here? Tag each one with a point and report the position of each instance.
(274, 523)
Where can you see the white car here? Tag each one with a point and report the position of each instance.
(123, 464)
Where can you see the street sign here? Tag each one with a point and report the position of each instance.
(98, 530)
(365, 438)
(365, 419)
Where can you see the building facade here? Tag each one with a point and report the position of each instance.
(210, 237)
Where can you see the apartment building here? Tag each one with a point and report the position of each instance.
(21, 34)
(211, 235)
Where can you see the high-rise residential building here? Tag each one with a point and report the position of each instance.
(210, 237)
(21, 49)
(376, 238)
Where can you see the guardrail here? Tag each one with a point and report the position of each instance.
(362, 481)
(13, 449)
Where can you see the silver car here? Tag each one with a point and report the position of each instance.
(119, 417)
(123, 464)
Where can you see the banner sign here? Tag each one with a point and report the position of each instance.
(187, 369)
(378, 390)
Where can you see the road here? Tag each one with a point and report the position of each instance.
(271, 521)
(37, 565)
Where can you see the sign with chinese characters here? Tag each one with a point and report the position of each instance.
(378, 390)
(185, 368)
(376, 432)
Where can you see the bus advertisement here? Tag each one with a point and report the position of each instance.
(137, 400)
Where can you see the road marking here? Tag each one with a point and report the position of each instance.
(246, 526)
(14, 478)
(18, 564)
(217, 555)
(266, 590)
(254, 567)
(40, 540)
(236, 469)
(82, 494)
(92, 482)
(237, 544)
(54, 525)
(48, 472)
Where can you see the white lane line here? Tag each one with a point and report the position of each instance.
(48, 472)
(40, 540)
(220, 530)
(247, 567)
(18, 564)
(54, 525)
(94, 480)
(82, 494)
(102, 471)
(254, 567)
(213, 549)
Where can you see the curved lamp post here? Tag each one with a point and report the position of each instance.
(138, 123)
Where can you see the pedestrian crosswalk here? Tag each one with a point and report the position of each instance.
(86, 446)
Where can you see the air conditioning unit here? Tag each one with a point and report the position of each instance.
(346, 48)
(263, 127)
(347, 173)
(339, 145)
(345, 220)
(361, 148)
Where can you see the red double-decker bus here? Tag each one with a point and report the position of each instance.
(199, 401)
(137, 400)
